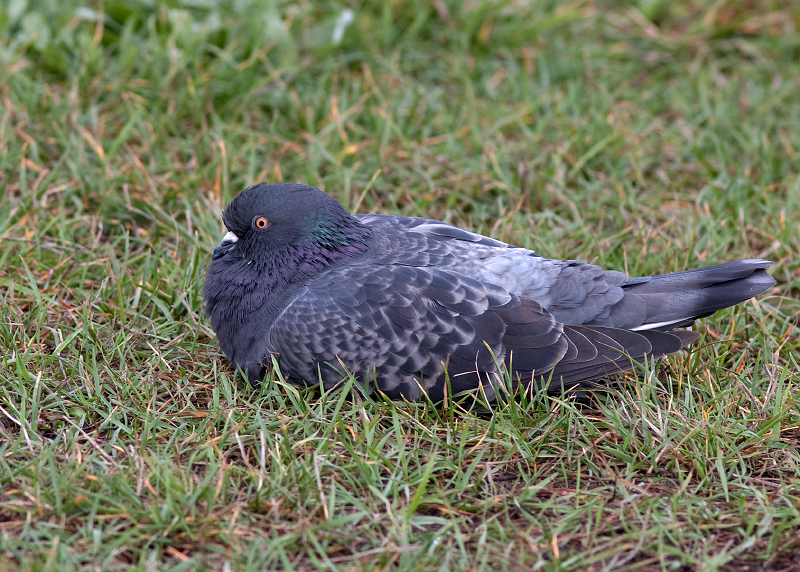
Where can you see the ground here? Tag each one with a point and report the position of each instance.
(644, 136)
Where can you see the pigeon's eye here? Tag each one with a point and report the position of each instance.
(261, 222)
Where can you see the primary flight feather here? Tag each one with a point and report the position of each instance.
(405, 303)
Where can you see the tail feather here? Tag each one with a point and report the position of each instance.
(637, 325)
(677, 300)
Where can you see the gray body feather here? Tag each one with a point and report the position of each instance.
(405, 303)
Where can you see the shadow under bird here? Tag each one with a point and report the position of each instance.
(405, 303)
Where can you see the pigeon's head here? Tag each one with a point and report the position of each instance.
(265, 219)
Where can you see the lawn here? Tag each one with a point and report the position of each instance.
(644, 136)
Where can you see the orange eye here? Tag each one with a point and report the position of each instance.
(261, 222)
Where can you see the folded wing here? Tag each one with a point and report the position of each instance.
(404, 330)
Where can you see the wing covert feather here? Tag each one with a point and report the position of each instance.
(403, 325)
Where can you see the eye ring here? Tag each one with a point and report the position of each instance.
(261, 222)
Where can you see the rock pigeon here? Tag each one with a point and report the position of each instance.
(412, 305)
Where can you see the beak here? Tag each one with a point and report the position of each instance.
(224, 247)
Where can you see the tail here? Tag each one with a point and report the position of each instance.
(636, 326)
(661, 303)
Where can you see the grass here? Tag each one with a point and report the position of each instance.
(647, 137)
